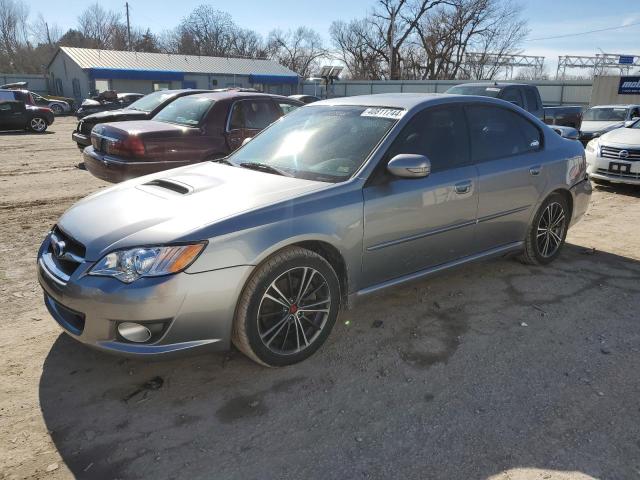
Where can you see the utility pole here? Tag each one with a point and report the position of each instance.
(48, 35)
(128, 27)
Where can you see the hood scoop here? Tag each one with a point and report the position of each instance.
(164, 185)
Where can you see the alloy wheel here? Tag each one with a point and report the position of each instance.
(293, 310)
(38, 124)
(56, 108)
(551, 230)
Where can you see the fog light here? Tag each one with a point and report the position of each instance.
(134, 332)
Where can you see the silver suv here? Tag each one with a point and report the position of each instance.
(337, 200)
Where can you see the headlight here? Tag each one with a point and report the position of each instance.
(129, 265)
(592, 146)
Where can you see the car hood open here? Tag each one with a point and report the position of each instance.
(174, 205)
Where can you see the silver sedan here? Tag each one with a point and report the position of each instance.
(335, 201)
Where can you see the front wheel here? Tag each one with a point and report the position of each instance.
(287, 308)
(547, 233)
(38, 125)
(56, 108)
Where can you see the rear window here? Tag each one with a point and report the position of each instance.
(187, 111)
(481, 90)
(150, 102)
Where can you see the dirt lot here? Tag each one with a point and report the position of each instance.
(494, 371)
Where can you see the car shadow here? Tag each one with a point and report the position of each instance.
(620, 189)
(493, 367)
(7, 133)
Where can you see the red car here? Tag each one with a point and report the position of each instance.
(191, 129)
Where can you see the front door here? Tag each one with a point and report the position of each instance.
(507, 149)
(413, 224)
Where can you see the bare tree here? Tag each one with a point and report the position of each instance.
(13, 32)
(45, 33)
(101, 26)
(395, 21)
(358, 49)
(300, 50)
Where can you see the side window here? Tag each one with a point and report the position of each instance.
(532, 99)
(5, 108)
(635, 113)
(287, 107)
(236, 121)
(498, 132)
(512, 95)
(439, 133)
(253, 114)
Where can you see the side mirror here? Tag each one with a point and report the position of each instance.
(408, 165)
(569, 133)
(630, 123)
(246, 140)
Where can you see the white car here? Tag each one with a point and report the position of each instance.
(601, 119)
(615, 156)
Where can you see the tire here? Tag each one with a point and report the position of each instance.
(38, 125)
(543, 243)
(56, 108)
(271, 332)
(597, 181)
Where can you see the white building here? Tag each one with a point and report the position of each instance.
(81, 72)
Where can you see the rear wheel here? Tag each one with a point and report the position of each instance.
(38, 125)
(56, 108)
(287, 308)
(547, 232)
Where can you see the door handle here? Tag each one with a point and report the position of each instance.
(463, 187)
(535, 170)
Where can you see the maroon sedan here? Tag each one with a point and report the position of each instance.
(191, 129)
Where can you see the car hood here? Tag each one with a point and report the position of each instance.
(590, 126)
(623, 137)
(115, 115)
(174, 205)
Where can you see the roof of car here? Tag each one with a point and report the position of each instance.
(239, 94)
(391, 100)
(491, 84)
(626, 105)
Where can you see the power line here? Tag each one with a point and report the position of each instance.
(582, 33)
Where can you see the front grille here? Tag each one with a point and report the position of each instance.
(85, 127)
(68, 319)
(614, 152)
(72, 254)
(632, 176)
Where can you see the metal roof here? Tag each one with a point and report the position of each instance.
(115, 59)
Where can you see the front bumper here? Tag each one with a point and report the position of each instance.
(195, 310)
(81, 139)
(599, 168)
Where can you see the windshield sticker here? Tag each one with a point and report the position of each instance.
(392, 113)
(492, 89)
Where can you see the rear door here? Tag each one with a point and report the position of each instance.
(12, 115)
(248, 117)
(413, 224)
(507, 149)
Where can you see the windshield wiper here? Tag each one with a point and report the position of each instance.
(263, 167)
(222, 160)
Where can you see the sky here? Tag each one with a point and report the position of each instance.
(546, 18)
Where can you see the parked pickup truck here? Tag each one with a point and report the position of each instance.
(526, 97)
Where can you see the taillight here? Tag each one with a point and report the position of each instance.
(127, 147)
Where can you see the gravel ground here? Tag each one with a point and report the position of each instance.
(493, 371)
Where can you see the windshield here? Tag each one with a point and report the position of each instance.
(187, 111)
(609, 114)
(481, 90)
(149, 102)
(327, 143)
